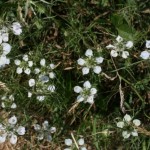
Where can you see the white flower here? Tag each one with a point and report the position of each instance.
(85, 70)
(80, 98)
(19, 70)
(125, 54)
(43, 78)
(120, 124)
(6, 48)
(25, 57)
(36, 70)
(89, 53)
(93, 91)
(3, 61)
(110, 46)
(5, 37)
(27, 71)
(77, 89)
(145, 54)
(134, 133)
(119, 39)
(81, 61)
(81, 141)
(113, 53)
(30, 63)
(17, 62)
(12, 120)
(68, 142)
(31, 82)
(1, 40)
(137, 122)
(13, 106)
(125, 134)
(97, 69)
(99, 60)
(13, 139)
(90, 99)
(147, 43)
(42, 62)
(16, 27)
(2, 138)
(87, 85)
(83, 148)
(127, 118)
(52, 75)
(129, 44)
(37, 127)
(40, 98)
(21, 130)
(29, 94)
(52, 66)
(51, 88)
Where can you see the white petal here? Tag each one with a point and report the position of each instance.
(80, 98)
(30, 63)
(81, 61)
(21, 130)
(93, 91)
(147, 43)
(40, 98)
(6, 48)
(110, 47)
(99, 60)
(134, 133)
(87, 84)
(52, 75)
(31, 82)
(145, 55)
(127, 118)
(129, 44)
(52, 66)
(125, 134)
(120, 124)
(77, 89)
(2, 138)
(42, 62)
(90, 99)
(97, 69)
(13, 139)
(27, 71)
(125, 54)
(89, 53)
(17, 62)
(19, 70)
(68, 142)
(81, 141)
(51, 88)
(113, 53)
(119, 39)
(12, 120)
(25, 57)
(85, 70)
(137, 122)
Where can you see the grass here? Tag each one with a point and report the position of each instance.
(61, 31)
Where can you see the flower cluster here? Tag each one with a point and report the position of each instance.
(86, 94)
(8, 102)
(44, 131)
(80, 142)
(24, 65)
(42, 83)
(146, 54)
(119, 48)
(11, 130)
(4, 46)
(90, 62)
(130, 125)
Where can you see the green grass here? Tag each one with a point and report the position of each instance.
(61, 31)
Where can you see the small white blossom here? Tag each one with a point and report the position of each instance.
(5, 37)
(93, 91)
(110, 46)
(134, 133)
(52, 75)
(36, 70)
(97, 69)
(89, 53)
(40, 98)
(53, 129)
(6, 48)
(29, 94)
(83, 148)
(31, 82)
(42, 62)
(80, 98)
(81, 61)
(77, 89)
(127, 118)
(145, 54)
(16, 27)
(85, 70)
(37, 127)
(52, 66)
(90, 99)
(147, 43)
(4, 61)
(81, 141)
(125, 54)
(17, 62)
(19, 70)
(87, 84)
(68, 142)
(12, 120)
(2, 138)
(13, 106)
